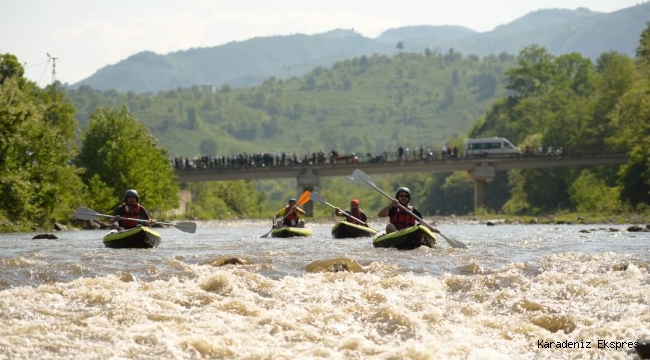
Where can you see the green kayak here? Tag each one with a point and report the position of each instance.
(405, 239)
(344, 229)
(139, 237)
(288, 231)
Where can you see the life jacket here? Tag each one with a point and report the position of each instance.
(356, 214)
(131, 213)
(402, 220)
(292, 218)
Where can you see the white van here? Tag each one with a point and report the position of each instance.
(496, 146)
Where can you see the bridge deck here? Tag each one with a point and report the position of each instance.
(395, 167)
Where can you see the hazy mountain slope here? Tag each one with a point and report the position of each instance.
(582, 31)
(237, 63)
(248, 63)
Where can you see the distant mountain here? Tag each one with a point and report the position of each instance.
(248, 63)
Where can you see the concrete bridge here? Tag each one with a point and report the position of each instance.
(479, 170)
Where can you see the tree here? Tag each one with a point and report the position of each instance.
(37, 182)
(124, 154)
(643, 50)
(400, 46)
(10, 68)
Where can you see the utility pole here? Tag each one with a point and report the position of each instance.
(53, 70)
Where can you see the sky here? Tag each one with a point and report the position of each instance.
(86, 35)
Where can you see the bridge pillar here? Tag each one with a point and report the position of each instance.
(308, 180)
(480, 176)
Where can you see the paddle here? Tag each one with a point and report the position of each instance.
(87, 214)
(317, 198)
(303, 199)
(364, 179)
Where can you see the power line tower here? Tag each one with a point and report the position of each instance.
(53, 68)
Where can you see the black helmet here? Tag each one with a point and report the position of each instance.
(292, 199)
(130, 193)
(401, 190)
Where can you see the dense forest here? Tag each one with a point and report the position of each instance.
(50, 164)
(364, 105)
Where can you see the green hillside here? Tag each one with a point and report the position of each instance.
(362, 105)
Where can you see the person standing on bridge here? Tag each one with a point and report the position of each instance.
(400, 219)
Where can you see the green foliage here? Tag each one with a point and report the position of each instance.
(225, 200)
(643, 50)
(124, 154)
(11, 68)
(434, 97)
(36, 179)
(591, 195)
(99, 196)
(568, 102)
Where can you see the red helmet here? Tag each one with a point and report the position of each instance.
(354, 202)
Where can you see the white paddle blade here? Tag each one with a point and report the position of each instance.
(188, 227)
(361, 177)
(317, 198)
(83, 213)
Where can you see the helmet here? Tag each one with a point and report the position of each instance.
(401, 190)
(354, 202)
(292, 199)
(130, 193)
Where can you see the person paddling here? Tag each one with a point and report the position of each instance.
(130, 209)
(290, 215)
(400, 219)
(355, 211)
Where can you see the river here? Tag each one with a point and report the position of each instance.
(226, 293)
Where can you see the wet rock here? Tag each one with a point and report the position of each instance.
(643, 350)
(555, 323)
(635, 228)
(490, 223)
(227, 261)
(60, 227)
(333, 265)
(624, 266)
(614, 230)
(45, 236)
(647, 226)
(339, 266)
(585, 231)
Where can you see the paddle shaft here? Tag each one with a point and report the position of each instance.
(85, 214)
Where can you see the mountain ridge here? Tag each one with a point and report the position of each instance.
(250, 62)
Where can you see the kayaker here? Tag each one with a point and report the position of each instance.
(400, 219)
(355, 211)
(130, 209)
(290, 215)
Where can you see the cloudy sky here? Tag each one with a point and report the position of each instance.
(86, 35)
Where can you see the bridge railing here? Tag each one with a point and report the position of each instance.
(217, 163)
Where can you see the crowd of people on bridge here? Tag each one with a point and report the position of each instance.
(269, 159)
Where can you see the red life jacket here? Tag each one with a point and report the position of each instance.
(131, 213)
(356, 214)
(402, 220)
(292, 216)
